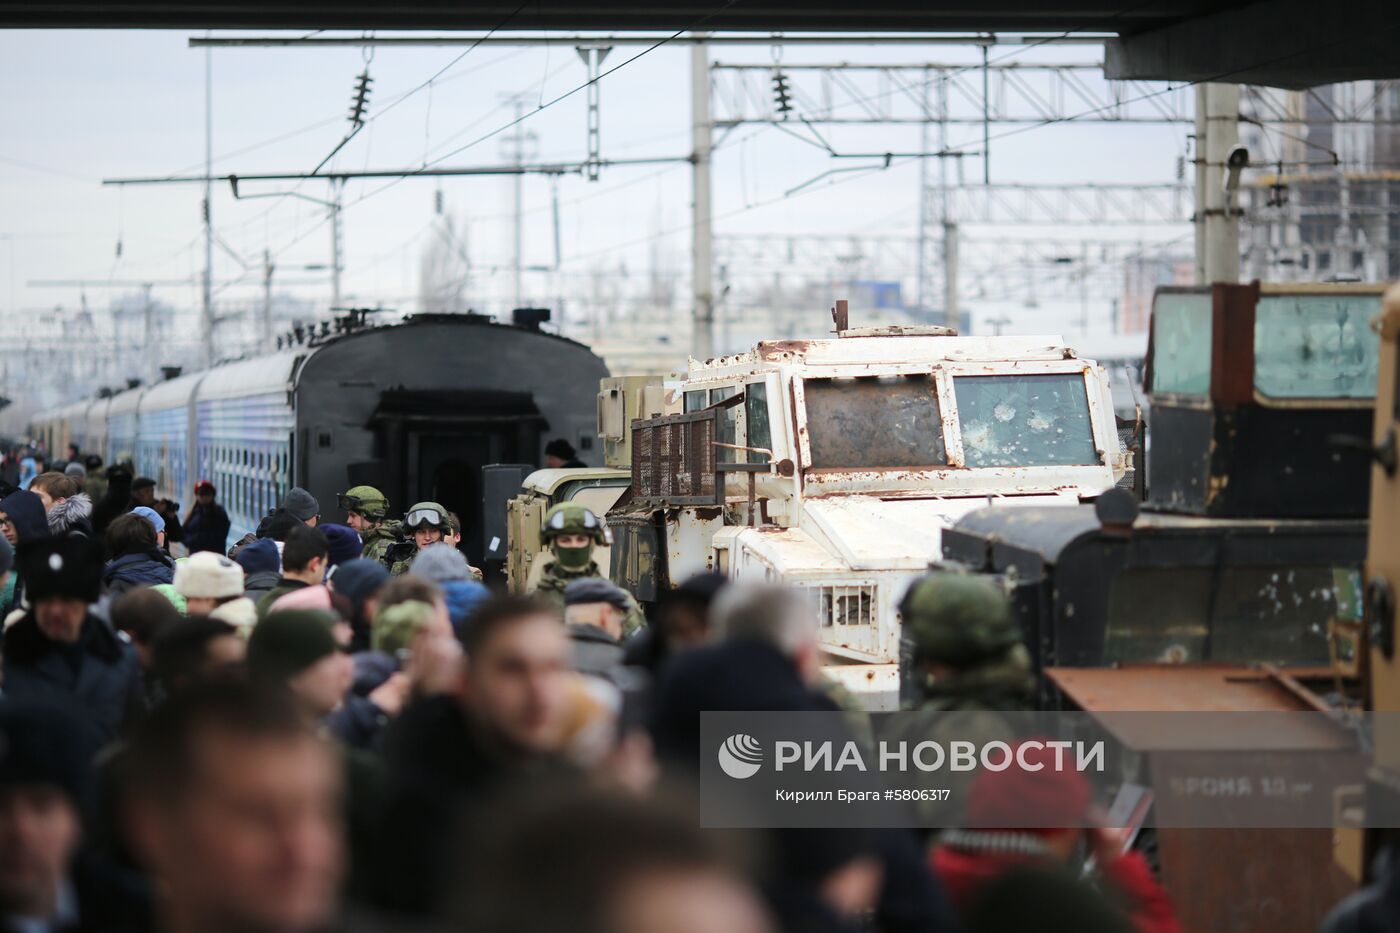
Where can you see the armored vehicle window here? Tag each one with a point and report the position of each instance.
(725, 429)
(1260, 613)
(874, 423)
(1022, 421)
(1315, 346)
(756, 417)
(695, 401)
(1181, 343)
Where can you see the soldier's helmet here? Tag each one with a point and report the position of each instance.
(957, 619)
(570, 518)
(367, 501)
(427, 514)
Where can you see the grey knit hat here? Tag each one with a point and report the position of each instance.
(301, 504)
(440, 563)
(75, 470)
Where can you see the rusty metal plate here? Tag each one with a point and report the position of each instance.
(1117, 695)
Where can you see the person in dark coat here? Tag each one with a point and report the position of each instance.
(453, 756)
(22, 519)
(59, 652)
(137, 559)
(116, 501)
(559, 454)
(207, 524)
(768, 658)
(262, 567)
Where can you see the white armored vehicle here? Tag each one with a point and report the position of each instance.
(834, 465)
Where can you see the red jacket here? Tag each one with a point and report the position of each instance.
(965, 873)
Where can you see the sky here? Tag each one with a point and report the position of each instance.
(87, 105)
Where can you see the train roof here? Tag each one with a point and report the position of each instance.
(265, 373)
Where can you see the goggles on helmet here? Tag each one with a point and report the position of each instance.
(558, 521)
(350, 503)
(419, 517)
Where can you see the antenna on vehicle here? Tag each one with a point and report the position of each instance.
(841, 314)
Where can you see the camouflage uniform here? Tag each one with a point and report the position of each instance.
(962, 624)
(554, 578)
(399, 555)
(570, 564)
(372, 505)
(381, 538)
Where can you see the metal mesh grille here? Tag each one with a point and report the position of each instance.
(673, 459)
(844, 606)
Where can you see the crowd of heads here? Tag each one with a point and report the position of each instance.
(313, 733)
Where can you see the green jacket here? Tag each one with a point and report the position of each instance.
(398, 557)
(384, 536)
(975, 705)
(554, 579)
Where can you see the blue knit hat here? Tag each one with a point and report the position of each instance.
(344, 543)
(357, 579)
(259, 556)
(150, 515)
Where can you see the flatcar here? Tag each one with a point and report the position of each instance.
(415, 408)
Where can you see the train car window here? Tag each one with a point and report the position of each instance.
(1316, 346)
(1181, 343)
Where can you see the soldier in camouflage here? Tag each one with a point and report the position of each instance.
(965, 649)
(971, 670)
(572, 532)
(365, 508)
(428, 523)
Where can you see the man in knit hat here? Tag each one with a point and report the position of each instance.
(344, 544)
(461, 583)
(213, 585)
(297, 649)
(360, 581)
(302, 506)
(595, 611)
(262, 565)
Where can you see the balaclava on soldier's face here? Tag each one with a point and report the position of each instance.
(572, 558)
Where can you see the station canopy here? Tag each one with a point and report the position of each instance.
(1283, 43)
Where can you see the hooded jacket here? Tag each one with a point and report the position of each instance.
(137, 568)
(26, 512)
(72, 518)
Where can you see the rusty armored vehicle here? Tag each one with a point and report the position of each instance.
(834, 465)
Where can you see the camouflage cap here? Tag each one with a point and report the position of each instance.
(367, 501)
(570, 518)
(958, 619)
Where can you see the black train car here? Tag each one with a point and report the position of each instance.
(418, 409)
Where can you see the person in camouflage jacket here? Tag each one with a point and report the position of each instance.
(572, 532)
(972, 674)
(365, 510)
(428, 523)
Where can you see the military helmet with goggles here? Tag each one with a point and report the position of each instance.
(365, 500)
(570, 518)
(427, 515)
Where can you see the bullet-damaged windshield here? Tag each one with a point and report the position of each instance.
(1017, 421)
(874, 423)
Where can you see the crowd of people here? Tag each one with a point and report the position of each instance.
(340, 727)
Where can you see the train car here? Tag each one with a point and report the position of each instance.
(163, 435)
(243, 440)
(416, 409)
